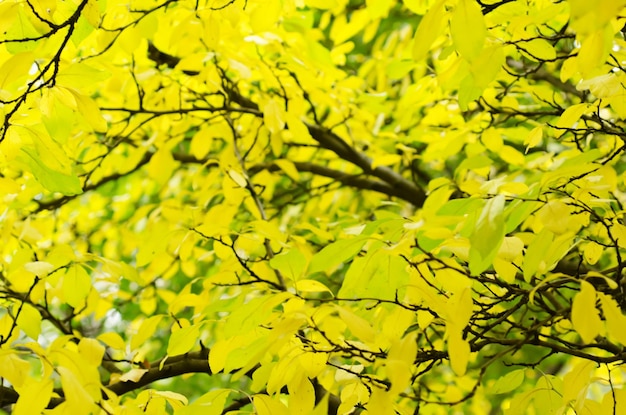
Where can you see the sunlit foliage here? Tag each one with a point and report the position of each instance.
(312, 207)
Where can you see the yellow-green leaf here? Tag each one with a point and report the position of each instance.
(508, 382)
(52, 180)
(429, 29)
(487, 236)
(29, 320)
(539, 50)
(146, 330)
(76, 286)
(468, 29)
(585, 316)
(534, 260)
(571, 115)
(615, 320)
(311, 286)
(335, 253)
(182, 340)
(534, 138)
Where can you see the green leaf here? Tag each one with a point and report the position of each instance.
(291, 264)
(487, 236)
(508, 382)
(336, 253)
(52, 180)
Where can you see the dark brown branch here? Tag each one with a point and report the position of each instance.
(355, 181)
(405, 189)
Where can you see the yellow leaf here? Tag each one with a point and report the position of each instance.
(400, 360)
(603, 86)
(312, 363)
(539, 49)
(39, 268)
(90, 111)
(29, 320)
(298, 129)
(468, 29)
(492, 139)
(619, 233)
(534, 138)
(380, 403)
(614, 402)
(264, 17)
(592, 252)
(13, 369)
(161, 166)
(511, 155)
(91, 12)
(614, 319)
(146, 330)
(505, 269)
(459, 309)
(429, 29)
(357, 325)
(585, 316)
(568, 69)
(269, 230)
(575, 383)
(113, 340)
(265, 405)
(594, 50)
(76, 286)
(211, 403)
(571, 116)
(77, 398)
(556, 216)
(133, 375)
(487, 66)
(238, 178)
(458, 351)
(182, 340)
(34, 397)
(219, 353)
(301, 395)
(273, 116)
(385, 160)
(175, 399)
(289, 168)
(511, 248)
(91, 350)
(311, 286)
(201, 143)
(514, 188)
(15, 68)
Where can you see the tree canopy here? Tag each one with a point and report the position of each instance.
(312, 207)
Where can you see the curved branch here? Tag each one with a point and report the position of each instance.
(355, 181)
